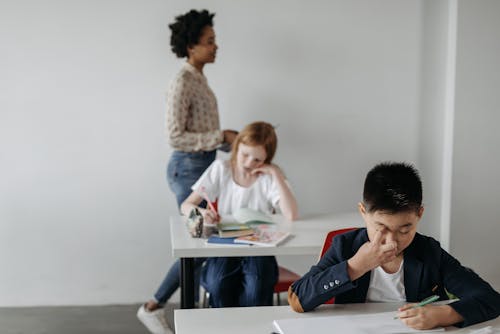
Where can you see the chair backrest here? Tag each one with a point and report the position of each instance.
(328, 243)
(329, 238)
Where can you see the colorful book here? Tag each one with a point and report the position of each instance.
(264, 236)
(229, 230)
(218, 240)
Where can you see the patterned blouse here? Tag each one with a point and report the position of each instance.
(192, 115)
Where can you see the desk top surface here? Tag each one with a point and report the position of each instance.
(307, 237)
(251, 320)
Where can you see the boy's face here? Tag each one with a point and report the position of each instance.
(396, 227)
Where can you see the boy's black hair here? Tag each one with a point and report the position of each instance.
(186, 30)
(392, 187)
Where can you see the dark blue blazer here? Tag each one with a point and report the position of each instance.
(428, 270)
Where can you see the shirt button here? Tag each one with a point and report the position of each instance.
(331, 284)
(325, 287)
(337, 282)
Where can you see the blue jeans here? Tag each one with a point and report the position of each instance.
(183, 170)
(240, 281)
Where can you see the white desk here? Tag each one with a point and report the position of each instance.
(307, 237)
(254, 320)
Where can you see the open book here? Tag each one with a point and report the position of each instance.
(251, 217)
(242, 223)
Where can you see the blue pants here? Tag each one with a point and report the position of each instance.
(183, 170)
(240, 281)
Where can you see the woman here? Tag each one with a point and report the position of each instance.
(193, 131)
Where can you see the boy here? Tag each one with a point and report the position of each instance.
(388, 261)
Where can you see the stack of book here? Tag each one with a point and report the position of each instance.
(230, 230)
(248, 227)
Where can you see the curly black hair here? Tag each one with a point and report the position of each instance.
(186, 30)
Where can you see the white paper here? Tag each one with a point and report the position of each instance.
(353, 324)
(484, 330)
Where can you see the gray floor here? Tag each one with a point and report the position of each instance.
(74, 320)
(79, 319)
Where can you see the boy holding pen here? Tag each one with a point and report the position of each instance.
(388, 261)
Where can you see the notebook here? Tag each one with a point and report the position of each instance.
(215, 240)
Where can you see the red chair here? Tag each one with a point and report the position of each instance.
(328, 243)
(285, 279)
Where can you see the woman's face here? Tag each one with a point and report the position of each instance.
(206, 49)
(250, 157)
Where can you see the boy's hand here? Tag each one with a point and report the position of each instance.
(371, 255)
(429, 316)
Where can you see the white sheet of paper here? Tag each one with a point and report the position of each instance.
(353, 324)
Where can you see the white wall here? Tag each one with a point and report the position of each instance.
(83, 199)
(436, 115)
(475, 223)
(84, 206)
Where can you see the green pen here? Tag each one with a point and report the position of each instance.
(424, 302)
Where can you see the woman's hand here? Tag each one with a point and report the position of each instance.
(229, 136)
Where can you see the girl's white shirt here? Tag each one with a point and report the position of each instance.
(263, 195)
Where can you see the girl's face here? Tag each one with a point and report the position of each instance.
(250, 157)
(206, 49)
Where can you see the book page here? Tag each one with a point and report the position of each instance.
(244, 215)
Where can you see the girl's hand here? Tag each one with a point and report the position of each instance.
(425, 317)
(209, 216)
(270, 169)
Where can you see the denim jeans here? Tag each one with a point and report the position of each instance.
(240, 281)
(183, 170)
(173, 278)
